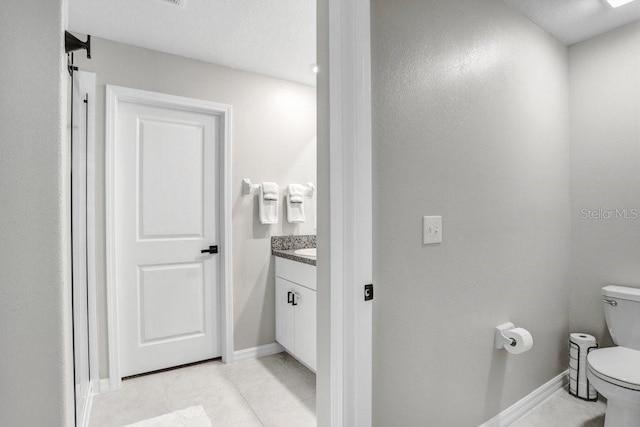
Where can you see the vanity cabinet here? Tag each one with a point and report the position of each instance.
(296, 310)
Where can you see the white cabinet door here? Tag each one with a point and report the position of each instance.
(166, 198)
(305, 326)
(285, 321)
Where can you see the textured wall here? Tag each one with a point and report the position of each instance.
(605, 171)
(470, 122)
(36, 384)
(274, 139)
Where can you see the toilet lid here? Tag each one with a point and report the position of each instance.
(617, 365)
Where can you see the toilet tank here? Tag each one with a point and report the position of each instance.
(622, 313)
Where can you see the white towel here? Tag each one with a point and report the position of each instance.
(270, 190)
(296, 193)
(268, 204)
(295, 203)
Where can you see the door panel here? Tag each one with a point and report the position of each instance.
(170, 311)
(166, 211)
(171, 157)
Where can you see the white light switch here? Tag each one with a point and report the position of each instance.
(431, 229)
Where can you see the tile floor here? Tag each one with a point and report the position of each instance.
(563, 410)
(271, 391)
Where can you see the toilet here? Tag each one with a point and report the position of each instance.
(615, 371)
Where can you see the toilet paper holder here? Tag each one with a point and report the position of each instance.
(500, 339)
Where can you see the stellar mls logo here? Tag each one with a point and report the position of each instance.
(601, 213)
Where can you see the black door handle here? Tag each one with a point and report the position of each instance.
(211, 250)
(289, 297)
(293, 300)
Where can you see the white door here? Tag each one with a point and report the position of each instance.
(166, 211)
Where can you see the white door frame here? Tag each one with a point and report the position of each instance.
(345, 79)
(87, 84)
(115, 95)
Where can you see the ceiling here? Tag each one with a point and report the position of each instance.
(277, 37)
(274, 37)
(572, 21)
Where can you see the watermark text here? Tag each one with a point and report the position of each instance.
(601, 213)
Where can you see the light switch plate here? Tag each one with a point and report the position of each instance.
(431, 230)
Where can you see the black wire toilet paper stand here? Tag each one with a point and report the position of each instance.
(577, 347)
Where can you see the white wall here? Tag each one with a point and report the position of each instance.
(36, 383)
(471, 122)
(605, 170)
(274, 139)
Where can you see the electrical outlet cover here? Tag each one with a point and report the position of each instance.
(431, 230)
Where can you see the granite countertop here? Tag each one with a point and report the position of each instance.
(285, 246)
(289, 254)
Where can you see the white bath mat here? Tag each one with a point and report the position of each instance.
(194, 416)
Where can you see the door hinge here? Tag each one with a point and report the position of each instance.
(368, 292)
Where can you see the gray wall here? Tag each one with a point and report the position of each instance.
(470, 122)
(605, 170)
(274, 139)
(36, 384)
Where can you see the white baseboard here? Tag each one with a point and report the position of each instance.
(529, 402)
(260, 351)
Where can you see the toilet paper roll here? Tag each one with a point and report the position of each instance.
(582, 383)
(584, 341)
(573, 389)
(573, 375)
(582, 389)
(585, 393)
(573, 352)
(523, 340)
(573, 364)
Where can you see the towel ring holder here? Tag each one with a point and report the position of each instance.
(248, 188)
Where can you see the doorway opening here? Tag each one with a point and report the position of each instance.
(344, 181)
(186, 271)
